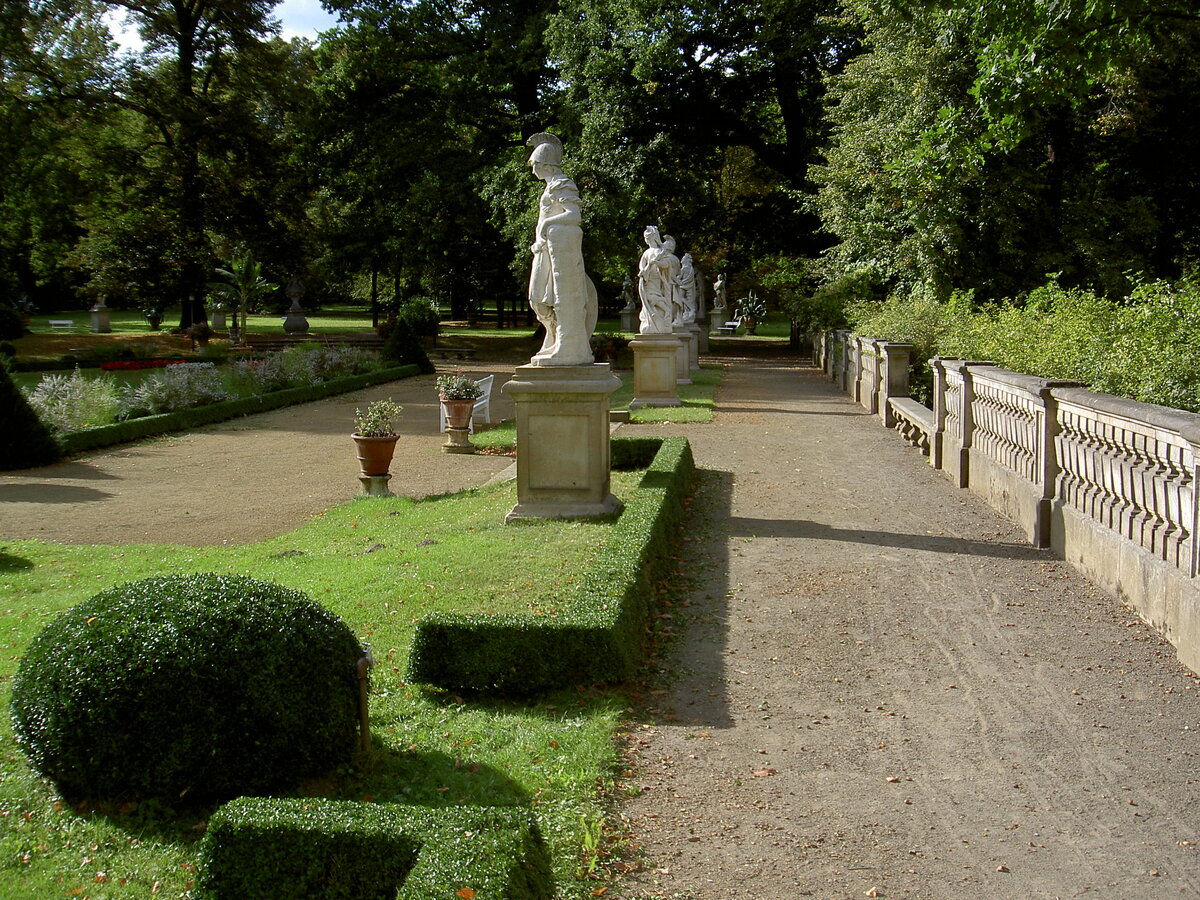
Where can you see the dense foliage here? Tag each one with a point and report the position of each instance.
(200, 685)
(1146, 346)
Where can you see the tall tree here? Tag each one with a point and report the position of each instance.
(704, 117)
(1031, 138)
(415, 102)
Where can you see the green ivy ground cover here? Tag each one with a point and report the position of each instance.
(381, 565)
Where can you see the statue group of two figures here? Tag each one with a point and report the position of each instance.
(669, 287)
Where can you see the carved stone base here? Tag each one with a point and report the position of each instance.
(376, 485)
(458, 441)
(562, 441)
(654, 362)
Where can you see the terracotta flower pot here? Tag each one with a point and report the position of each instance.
(375, 453)
(458, 412)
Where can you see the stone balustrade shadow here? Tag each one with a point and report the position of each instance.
(805, 529)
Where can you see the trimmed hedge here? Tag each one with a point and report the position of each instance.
(184, 419)
(200, 685)
(598, 635)
(260, 849)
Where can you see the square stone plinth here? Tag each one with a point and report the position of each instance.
(562, 441)
(683, 357)
(654, 362)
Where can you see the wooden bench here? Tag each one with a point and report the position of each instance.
(913, 421)
(62, 324)
(454, 352)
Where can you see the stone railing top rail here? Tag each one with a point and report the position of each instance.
(1029, 384)
(954, 364)
(1159, 418)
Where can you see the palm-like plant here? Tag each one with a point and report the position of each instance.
(242, 286)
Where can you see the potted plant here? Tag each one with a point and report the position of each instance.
(752, 310)
(458, 394)
(375, 436)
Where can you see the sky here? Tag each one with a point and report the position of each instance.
(300, 18)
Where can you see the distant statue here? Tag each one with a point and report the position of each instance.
(655, 285)
(719, 296)
(629, 295)
(687, 290)
(560, 292)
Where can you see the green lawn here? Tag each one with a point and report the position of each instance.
(380, 564)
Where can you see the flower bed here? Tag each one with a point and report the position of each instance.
(132, 365)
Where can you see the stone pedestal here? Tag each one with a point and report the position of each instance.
(458, 440)
(629, 320)
(562, 441)
(683, 357)
(376, 485)
(101, 323)
(702, 335)
(694, 333)
(654, 362)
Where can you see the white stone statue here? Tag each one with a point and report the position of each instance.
(656, 286)
(687, 290)
(560, 292)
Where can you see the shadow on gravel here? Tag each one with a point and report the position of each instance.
(934, 543)
(692, 645)
(49, 493)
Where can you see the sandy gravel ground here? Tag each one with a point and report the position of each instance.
(875, 689)
(242, 480)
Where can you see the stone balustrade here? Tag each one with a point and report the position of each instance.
(1107, 484)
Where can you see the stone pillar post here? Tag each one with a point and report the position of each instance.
(893, 380)
(683, 359)
(562, 441)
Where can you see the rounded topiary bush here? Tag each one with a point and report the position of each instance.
(188, 685)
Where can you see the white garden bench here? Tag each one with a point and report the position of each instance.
(62, 324)
(730, 327)
(481, 411)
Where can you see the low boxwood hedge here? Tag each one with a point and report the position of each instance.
(598, 634)
(148, 426)
(205, 686)
(261, 849)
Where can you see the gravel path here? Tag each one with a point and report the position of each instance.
(242, 480)
(876, 688)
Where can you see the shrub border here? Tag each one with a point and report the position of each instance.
(598, 636)
(184, 419)
(342, 848)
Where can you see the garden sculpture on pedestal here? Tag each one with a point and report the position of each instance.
(560, 292)
(655, 285)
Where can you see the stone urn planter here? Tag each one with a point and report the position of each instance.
(375, 453)
(458, 412)
(375, 439)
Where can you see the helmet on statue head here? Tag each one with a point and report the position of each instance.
(547, 149)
